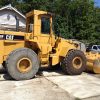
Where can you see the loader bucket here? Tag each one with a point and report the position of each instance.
(96, 66)
(93, 62)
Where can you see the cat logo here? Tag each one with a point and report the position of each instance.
(9, 37)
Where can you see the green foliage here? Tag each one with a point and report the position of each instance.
(77, 19)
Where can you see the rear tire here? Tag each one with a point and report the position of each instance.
(74, 63)
(22, 64)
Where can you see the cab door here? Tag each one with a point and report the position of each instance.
(45, 35)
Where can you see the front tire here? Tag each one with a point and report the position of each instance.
(74, 63)
(22, 64)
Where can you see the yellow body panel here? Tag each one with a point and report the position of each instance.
(8, 45)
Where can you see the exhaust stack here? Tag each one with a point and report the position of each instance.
(17, 23)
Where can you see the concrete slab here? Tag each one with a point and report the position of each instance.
(52, 86)
(34, 89)
(82, 86)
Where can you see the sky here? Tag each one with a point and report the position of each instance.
(97, 3)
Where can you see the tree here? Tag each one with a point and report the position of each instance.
(97, 27)
(77, 19)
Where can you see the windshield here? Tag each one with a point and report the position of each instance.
(99, 46)
(45, 25)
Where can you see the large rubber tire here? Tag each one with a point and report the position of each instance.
(67, 63)
(15, 56)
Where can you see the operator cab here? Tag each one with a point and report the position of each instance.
(39, 29)
(38, 22)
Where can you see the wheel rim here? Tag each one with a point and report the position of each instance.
(24, 65)
(77, 62)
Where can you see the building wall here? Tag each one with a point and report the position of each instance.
(7, 19)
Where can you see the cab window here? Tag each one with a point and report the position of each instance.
(45, 25)
(30, 24)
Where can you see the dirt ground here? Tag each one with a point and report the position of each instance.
(52, 85)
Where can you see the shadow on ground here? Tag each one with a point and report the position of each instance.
(5, 76)
(50, 69)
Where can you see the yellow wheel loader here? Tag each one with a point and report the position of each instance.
(23, 53)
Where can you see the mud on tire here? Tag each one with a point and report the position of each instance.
(74, 63)
(16, 67)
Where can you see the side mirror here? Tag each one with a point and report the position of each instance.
(58, 34)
